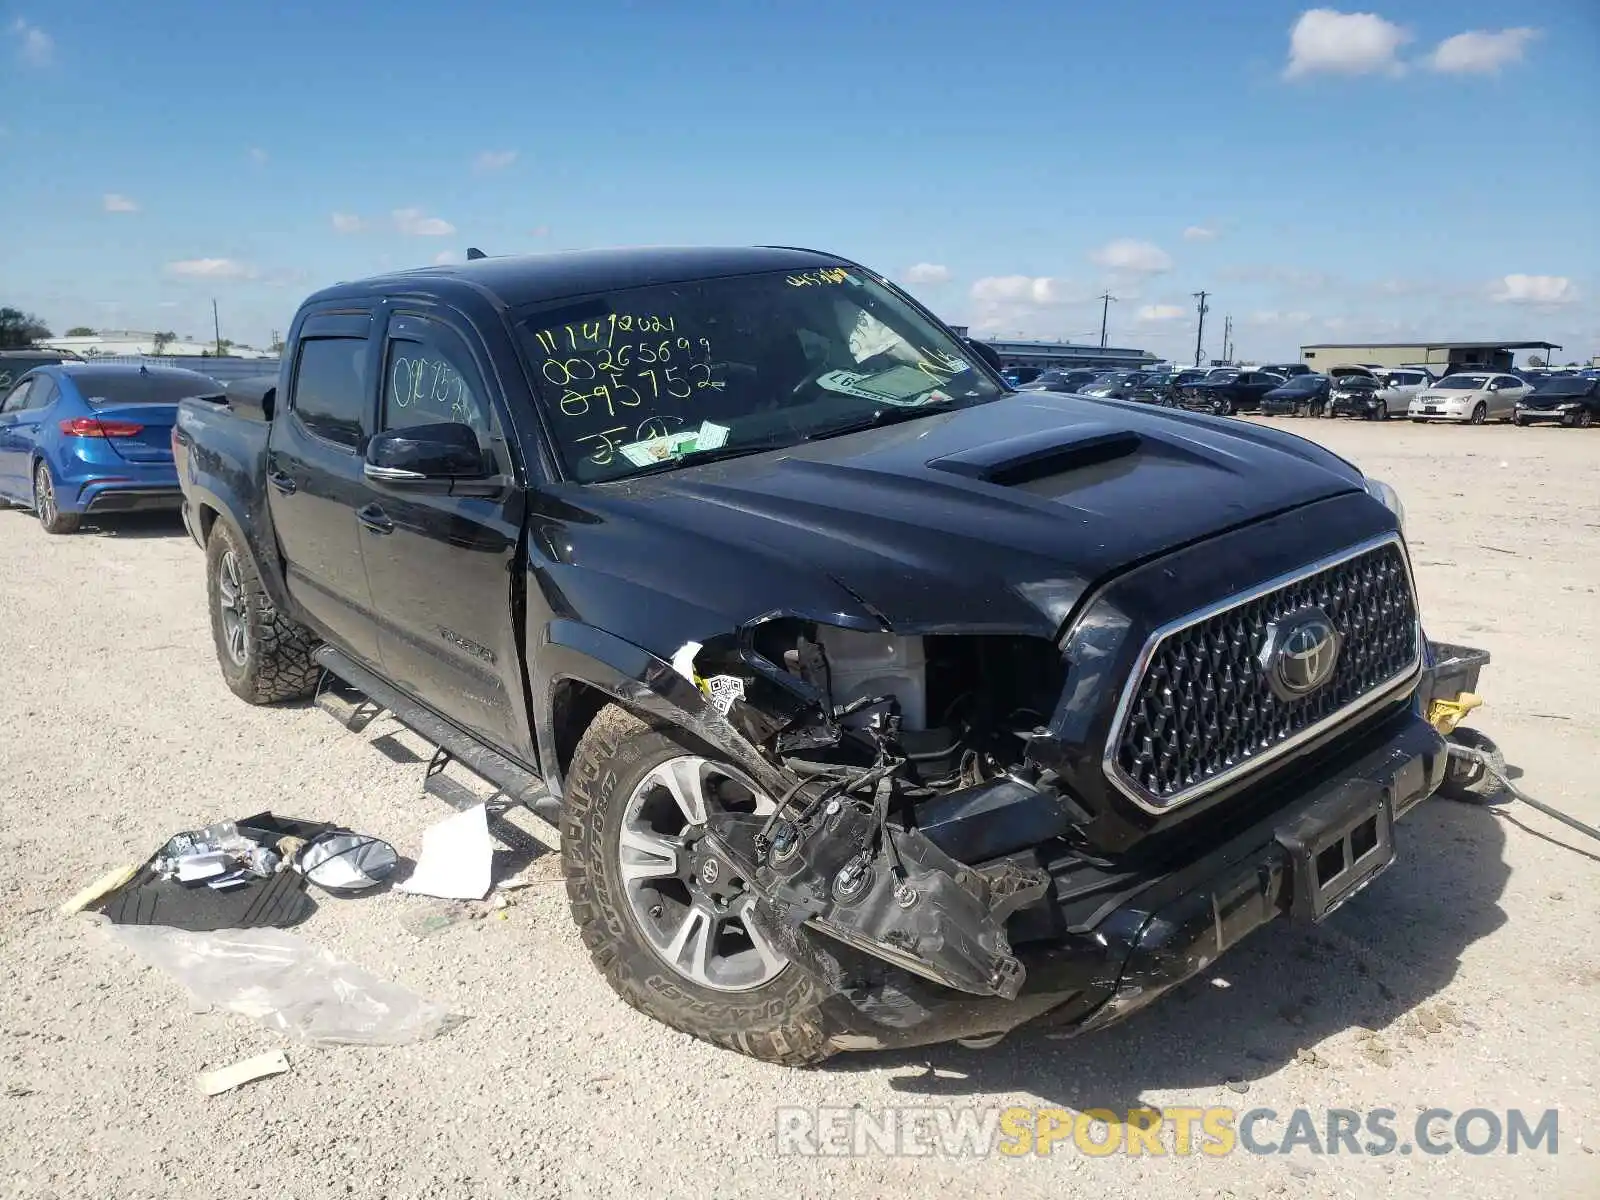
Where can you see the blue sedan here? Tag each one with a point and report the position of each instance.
(79, 438)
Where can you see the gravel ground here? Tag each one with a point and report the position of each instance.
(1467, 977)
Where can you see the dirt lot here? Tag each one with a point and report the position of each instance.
(1467, 977)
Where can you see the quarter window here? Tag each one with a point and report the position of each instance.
(331, 389)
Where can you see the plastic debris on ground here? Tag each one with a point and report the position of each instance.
(225, 1079)
(288, 984)
(457, 854)
(244, 874)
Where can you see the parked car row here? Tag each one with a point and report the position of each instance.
(1365, 393)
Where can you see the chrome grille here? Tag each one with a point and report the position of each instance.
(1201, 710)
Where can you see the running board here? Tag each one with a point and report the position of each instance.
(519, 784)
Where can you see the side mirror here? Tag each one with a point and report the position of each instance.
(988, 353)
(422, 453)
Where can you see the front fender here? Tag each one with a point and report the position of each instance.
(571, 651)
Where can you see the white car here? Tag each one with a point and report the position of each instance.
(1470, 396)
(1402, 386)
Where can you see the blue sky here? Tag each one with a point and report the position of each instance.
(1424, 169)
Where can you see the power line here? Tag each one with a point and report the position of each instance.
(1200, 333)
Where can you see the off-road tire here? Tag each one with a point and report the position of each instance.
(1471, 782)
(277, 659)
(780, 1022)
(45, 505)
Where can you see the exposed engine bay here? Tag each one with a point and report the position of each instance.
(900, 750)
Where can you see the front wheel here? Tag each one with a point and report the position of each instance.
(45, 506)
(265, 657)
(1582, 419)
(1480, 414)
(666, 920)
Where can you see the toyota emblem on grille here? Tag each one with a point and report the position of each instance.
(1300, 653)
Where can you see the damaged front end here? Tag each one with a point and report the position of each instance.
(890, 840)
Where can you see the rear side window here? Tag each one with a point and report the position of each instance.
(428, 378)
(17, 399)
(331, 389)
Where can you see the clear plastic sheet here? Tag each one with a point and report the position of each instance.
(288, 984)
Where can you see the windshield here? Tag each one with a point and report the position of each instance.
(101, 386)
(1301, 383)
(1222, 376)
(1563, 385)
(1461, 383)
(649, 376)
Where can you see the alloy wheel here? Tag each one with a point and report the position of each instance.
(687, 901)
(44, 496)
(230, 601)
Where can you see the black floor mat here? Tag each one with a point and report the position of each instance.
(280, 901)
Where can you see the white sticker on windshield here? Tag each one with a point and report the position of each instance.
(658, 449)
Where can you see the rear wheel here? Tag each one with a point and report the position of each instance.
(264, 656)
(45, 506)
(1582, 419)
(1518, 421)
(666, 921)
(1480, 414)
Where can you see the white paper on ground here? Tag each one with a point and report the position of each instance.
(214, 1083)
(455, 859)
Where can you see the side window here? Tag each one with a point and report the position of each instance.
(44, 394)
(17, 398)
(428, 378)
(331, 389)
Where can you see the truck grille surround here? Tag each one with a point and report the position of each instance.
(1199, 710)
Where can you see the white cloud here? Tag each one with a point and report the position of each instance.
(1133, 256)
(926, 272)
(446, 258)
(1011, 288)
(35, 45)
(258, 156)
(1480, 52)
(211, 268)
(347, 223)
(411, 222)
(495, 160)
(116, 202)
(1274, 317)
(1199, 233)
(1339, 43)
(1536, 289)
(1162, 312)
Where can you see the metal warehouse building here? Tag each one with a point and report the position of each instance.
(1443, 357)
(1063, 355)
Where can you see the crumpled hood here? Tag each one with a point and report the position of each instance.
(994, 518)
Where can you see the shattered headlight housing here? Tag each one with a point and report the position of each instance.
(1389, 498)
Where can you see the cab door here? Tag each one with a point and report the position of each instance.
(442, 566)
(314, 480)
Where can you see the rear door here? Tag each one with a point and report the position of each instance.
(313, 477)
(443, 567)
(13, 450)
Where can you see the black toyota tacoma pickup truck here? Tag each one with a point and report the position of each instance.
(878, 704)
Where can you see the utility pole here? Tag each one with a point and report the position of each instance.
(1107, 300)
(1200, 333)
(216, 325)
(1227, 338)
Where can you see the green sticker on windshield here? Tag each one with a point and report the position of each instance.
(658, 449)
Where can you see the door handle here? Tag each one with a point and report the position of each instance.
(283, 482)
(375, 519)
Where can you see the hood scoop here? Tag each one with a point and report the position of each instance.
(1017, 460)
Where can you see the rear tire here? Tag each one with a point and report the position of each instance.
(51, 518)
(264, 656)
(1519, 422)
(779, 1020)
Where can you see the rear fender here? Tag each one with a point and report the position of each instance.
(252, 523)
